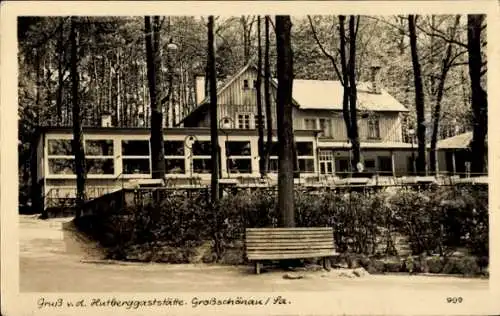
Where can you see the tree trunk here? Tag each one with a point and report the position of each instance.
(345, 78)
(419, 97)
(110, 89)
(267, 96)
(285, 121)
(60, 74)
(353, 94)
(119, 107)
(478, 95)
(98, 92)
(38, 86)
(77, 143)
(214, 138)
(36, 195)
(260, 121)
(445, 67)
(35, 187)
(153, 63)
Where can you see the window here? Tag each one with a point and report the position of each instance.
(202, 165)
(100, 166)
(370, 163)
(202, 148)
(304, 149)
(174, 148)
(373, 128)
(235, 148)
(273, 157)
(99, 156)
(256, 119)
(243, 121)
(202, 151)
(135, 148)
(343, 165)
(60, 147)
(174, 156)
(60, 157)
(305, 156)
(245, 84)
(135, 157)
(310, 124)
(99, 147)
(239, 157)
(255, 84)
(273, 164)
(410, 163)
(385, 164)
(174, 165)
(306, 165)
(326, 127)
(326, 162)
(61, 166)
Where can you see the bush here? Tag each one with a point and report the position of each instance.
(435, 264)
(437, 220)
(376, 266)
(393, 265)
(464, 265)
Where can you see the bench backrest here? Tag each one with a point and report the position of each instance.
(289, 243)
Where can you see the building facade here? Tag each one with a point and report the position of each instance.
(120, 157)
(318, 106)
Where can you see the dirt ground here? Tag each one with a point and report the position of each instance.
(56, 260)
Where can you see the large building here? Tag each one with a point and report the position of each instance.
(120, 157)
(318, 106)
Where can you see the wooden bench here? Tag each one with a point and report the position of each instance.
(289, 243)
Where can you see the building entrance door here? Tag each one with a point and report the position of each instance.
(326, 162)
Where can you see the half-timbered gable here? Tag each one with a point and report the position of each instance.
(317, 106)
(236, 102)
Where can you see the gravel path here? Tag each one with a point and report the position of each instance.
(52, 260)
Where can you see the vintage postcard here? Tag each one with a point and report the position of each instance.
(209, 157)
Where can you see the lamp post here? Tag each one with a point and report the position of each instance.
(224, 124)
(171, 49)
(411, 133)
(188, 143)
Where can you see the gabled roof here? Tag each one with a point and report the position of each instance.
(457, 141)
(328, 94)
(318, 95)
(223, 86)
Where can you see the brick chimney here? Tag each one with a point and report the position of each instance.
(106, 120)
(375, 85)
(200, 89)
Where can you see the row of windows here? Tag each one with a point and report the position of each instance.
(327, 163)
(172, 165)
(325, 125)
(244, 121)
(62, 147)
(136, 156)
(246, 86)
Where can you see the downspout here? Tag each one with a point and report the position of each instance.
(316, 158)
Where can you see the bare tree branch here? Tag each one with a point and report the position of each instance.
(327, 54)
(439, 34)
(397, 27)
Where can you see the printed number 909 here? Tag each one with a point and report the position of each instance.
(454, 300)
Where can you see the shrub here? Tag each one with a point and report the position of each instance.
(464, 265)
(436, 220)
(435, 264)
(376, 266)
(393, 264)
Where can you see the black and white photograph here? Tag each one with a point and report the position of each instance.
(260, 156)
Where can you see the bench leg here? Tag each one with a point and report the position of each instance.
(257, 267)
(327, 265)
